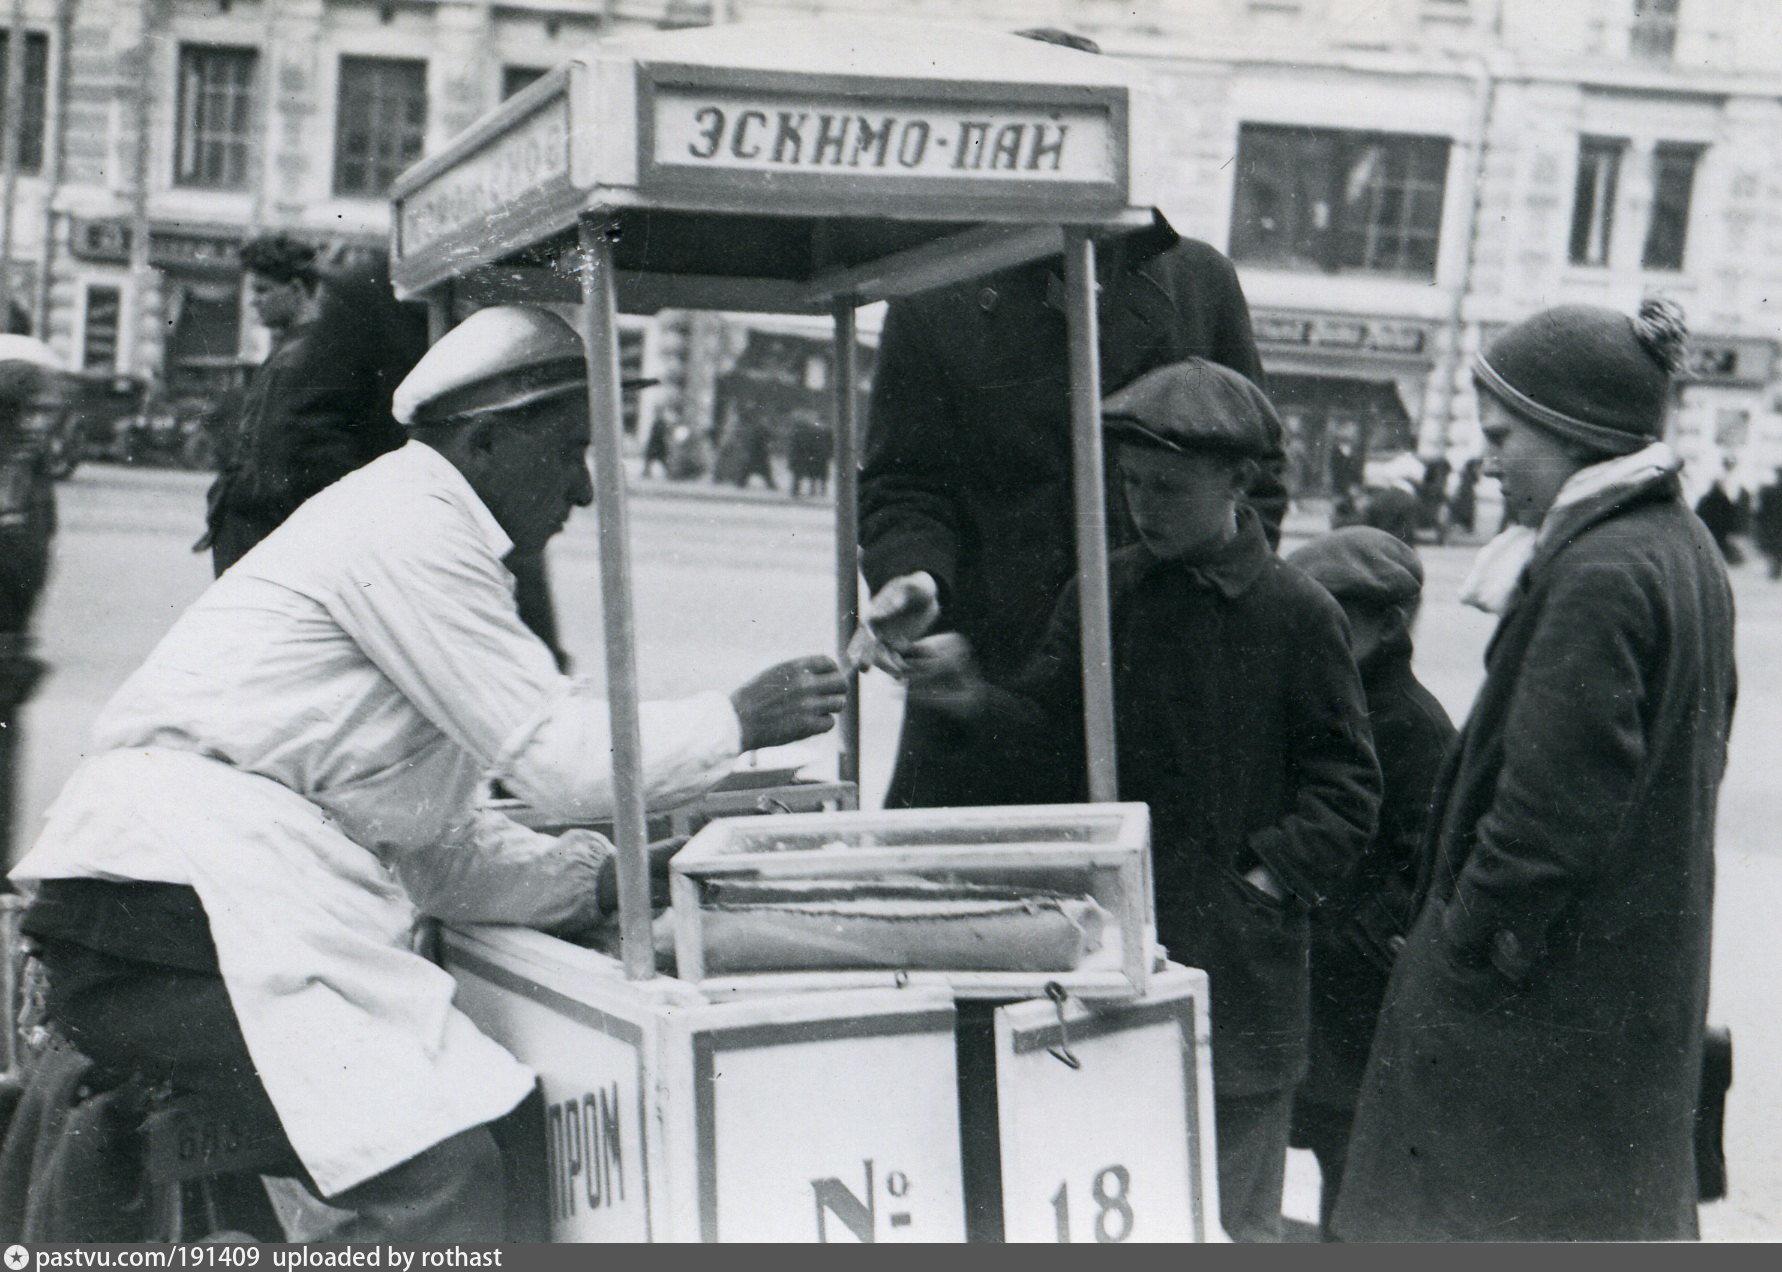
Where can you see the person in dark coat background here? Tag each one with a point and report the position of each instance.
(1239, 719)
(1536, 1067)
(1378, 580)
(319, 406)
(966, 514)
(1766, 524)
(1724, 516)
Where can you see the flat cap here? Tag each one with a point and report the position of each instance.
(1360, 563)
(498, 358)
(1194, 405)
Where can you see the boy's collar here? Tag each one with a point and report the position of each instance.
(1235, 564)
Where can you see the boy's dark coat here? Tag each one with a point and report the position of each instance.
(967, 469)
(1240, 721)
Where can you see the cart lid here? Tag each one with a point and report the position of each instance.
(774, 166)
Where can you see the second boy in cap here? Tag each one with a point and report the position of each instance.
(1239, 718)
(1378, 580)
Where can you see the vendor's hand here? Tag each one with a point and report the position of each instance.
(660, 854)
(791, 701)
(942, 674)
(898, 614)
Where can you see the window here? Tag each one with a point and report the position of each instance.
(1673, 182)
(99, 343)
(1654, 33)
(514, 78)
(216, 117)
(30, 150)
(382, 122)
(1593, 210)
(1336, 201)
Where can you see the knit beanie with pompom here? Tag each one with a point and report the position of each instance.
(1590, 375)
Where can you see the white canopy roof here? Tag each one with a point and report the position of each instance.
(776, 165)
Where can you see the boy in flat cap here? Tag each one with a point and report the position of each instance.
(1536, 1068)
(1239, 718)
(1378, 580)
(229, 885)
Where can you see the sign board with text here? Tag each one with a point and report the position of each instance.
(1106, 1118)
(725, 134)
(782, 155)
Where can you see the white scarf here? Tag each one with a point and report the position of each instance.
(1497, 571)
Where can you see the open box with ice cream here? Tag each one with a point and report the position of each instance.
(993, 903)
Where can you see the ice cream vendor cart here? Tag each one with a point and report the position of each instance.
(812, 168)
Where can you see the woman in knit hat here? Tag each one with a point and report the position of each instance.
(1535, 1070)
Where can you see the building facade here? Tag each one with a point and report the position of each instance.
(159, 135)
(1396, 179)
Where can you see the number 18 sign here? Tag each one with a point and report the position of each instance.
(1106, 1118)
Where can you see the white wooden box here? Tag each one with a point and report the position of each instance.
(1100, 852)
(1105, 1116)
(800, 1118)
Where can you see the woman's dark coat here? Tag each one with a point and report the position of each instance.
(1535, 1070)
(967, 471)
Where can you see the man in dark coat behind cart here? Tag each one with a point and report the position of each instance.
(1535, 1071)
(966, 516)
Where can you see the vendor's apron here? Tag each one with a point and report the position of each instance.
(354, 1035)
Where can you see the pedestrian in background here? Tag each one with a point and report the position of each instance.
(809, 453)
(1536, 1068)
(1766, 524)
(319, 406)
(1378, 580)
(30, 388)
(1723, 515)
(1239, 719)
(31, 392)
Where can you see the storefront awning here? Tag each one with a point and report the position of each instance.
(1348, 397)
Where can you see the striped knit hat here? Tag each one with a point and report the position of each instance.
(1590, 375)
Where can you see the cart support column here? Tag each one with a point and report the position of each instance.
(847, 525)
(439, 313)
(1092, 512)
(600, 338)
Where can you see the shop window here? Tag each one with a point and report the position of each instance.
(214, 143)
(381, 124)
(1673, 183)
(1338, 201)
(514, 78)
(30, 143)
(99, 340)
(1654, 33)
(1593, 208)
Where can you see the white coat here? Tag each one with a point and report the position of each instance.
(305, 749)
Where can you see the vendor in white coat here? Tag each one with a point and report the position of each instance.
(229, 887)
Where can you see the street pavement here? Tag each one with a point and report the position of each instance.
(728, 582)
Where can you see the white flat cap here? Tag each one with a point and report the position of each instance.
(501, 357)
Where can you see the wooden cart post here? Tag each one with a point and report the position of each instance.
(1087, 472)
(600, 337)
(847, 525)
